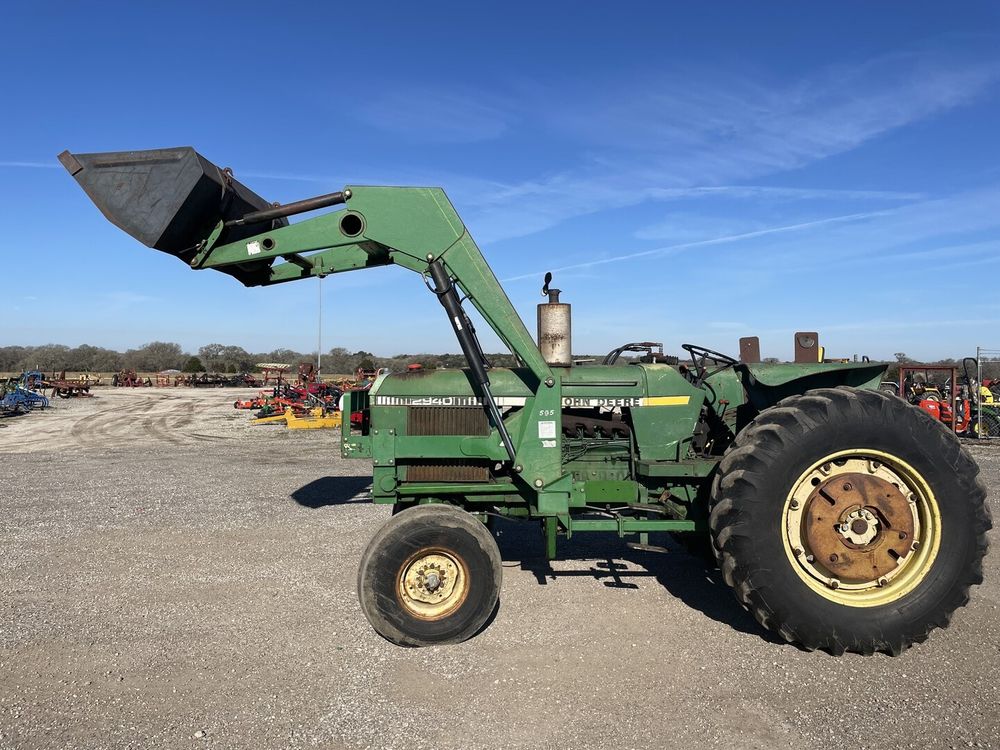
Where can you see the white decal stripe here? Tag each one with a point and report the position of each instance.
(568, 402)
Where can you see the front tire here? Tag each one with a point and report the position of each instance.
(430, 576)
(847, 520)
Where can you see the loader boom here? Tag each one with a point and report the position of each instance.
(408, 227)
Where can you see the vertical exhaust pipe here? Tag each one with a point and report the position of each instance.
(555, 334)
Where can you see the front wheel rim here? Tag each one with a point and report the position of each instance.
(432, 583)
(861, 527)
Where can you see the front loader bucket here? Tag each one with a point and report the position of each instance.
(171, 199)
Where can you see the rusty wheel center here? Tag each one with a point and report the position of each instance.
(858, 526)
(861, 527)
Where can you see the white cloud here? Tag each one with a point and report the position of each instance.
(689, 134)
(433, 115)
(31, 164)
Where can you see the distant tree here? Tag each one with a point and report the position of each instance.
(901, 357)
(212, 356)
(48, 357)
(236, 359)
(154, 356)
(338, 361)
(771, 360)
(193, 365)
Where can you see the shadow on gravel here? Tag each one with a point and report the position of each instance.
(327, 491)
(679, 573)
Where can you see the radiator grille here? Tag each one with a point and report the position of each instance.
(447, 420)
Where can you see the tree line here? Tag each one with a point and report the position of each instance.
(162, 355)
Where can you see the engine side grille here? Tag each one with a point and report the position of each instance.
(447, 420)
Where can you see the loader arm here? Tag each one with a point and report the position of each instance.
(408, 227)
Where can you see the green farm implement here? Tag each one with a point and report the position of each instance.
(842, 517)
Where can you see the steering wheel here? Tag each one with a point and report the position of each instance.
(700, 357)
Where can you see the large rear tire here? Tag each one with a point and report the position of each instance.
(848, 520)
(430, 576)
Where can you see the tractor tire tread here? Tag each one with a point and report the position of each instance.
(762, 444)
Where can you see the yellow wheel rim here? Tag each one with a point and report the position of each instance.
(432, 584)
(861, 528)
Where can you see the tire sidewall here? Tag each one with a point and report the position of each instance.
(906, 433)
(408, 534)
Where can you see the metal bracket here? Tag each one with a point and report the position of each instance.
(206, 246)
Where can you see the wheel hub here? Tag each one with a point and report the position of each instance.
(853, 524)
(860, 527)
(432, 584)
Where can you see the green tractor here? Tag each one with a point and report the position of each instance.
(843, 518)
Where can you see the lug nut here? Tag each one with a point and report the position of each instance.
(883, 581)
(794, 504)
(834, 583)
(848, 486)
(798, 551)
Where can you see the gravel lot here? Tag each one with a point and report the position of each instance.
(170, 577)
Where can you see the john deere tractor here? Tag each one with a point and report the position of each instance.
(843, 518)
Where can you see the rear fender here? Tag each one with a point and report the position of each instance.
(767, 384)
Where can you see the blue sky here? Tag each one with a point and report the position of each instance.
(690, 172)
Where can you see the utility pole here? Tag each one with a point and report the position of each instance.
(319, 335)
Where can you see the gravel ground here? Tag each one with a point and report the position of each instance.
(170, 577)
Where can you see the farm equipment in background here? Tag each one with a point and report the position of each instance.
(917, 387)
(257, 402)
(64, 387)
(129, 379)
(274, 373)
(32, 380)
(60, 385)
(307, 373)
(295, 398)
(958, 402)
(16, 399)
(842, 517)
(309, 419)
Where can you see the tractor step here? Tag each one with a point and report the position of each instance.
(645, 547)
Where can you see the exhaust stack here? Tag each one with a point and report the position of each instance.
(555, 336)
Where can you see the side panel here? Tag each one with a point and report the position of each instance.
(665, 423)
